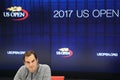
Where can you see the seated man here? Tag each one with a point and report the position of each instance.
(32, 70)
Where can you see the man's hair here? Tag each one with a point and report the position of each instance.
(29, 53)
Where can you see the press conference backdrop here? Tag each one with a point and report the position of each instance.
(80, 36)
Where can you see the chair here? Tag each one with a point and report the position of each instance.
(57, 77)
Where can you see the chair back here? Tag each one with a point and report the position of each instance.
(57, 77)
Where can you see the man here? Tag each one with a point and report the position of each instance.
(32, 70)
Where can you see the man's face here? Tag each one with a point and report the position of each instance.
(31, 63)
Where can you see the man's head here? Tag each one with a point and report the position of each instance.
(30, 61)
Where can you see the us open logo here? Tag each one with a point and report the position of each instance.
(16, 13)
(64, 52)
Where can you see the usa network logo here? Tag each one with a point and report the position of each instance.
(64, 52)
(16, 13)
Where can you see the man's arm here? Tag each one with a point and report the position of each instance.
(18, 75)
(47, 73)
